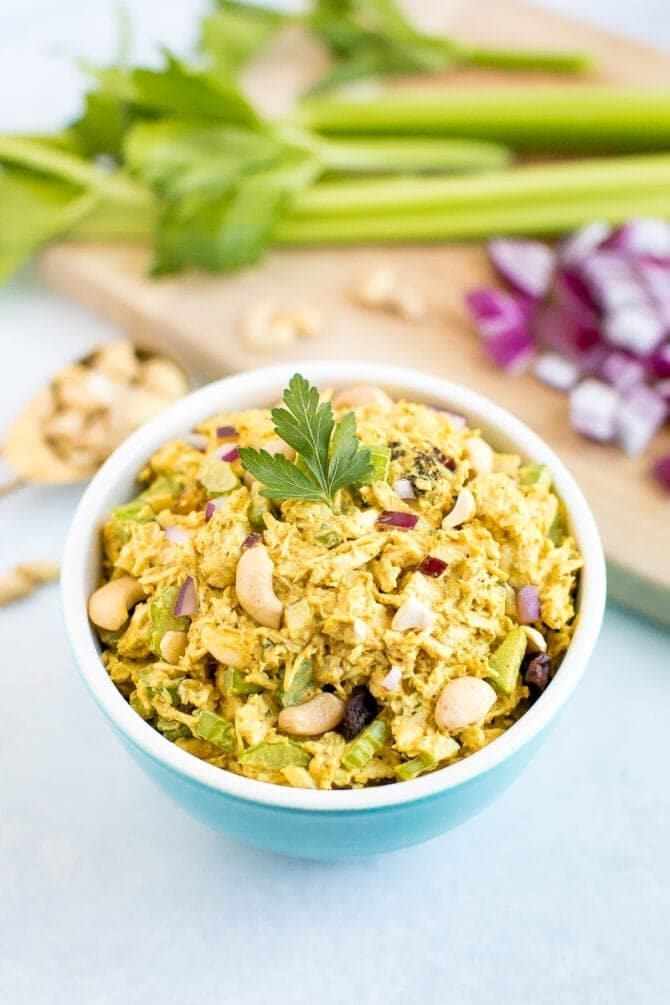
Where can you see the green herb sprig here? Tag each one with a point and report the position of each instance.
(330, 455)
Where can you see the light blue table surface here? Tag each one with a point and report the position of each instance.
(559, 893)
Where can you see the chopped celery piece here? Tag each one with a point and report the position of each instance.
(330, 538)
(217, 477)
(535, 474)
(235, 682)
(505, 663)
(275, 756)
(298, 683)
(143, 709)
(258, 507)
(558, 529)
(163, 620)
(172, 730)
(159, 684)
(363, 747)
(380, 458)
(108, 638)
(215, 729)
(415, 767)
(143, 508)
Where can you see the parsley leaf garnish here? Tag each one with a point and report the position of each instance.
(330, 454)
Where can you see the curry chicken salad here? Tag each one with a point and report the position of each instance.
(339, 592)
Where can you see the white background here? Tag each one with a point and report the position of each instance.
(108, 894)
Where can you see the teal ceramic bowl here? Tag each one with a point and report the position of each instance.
(301, 822)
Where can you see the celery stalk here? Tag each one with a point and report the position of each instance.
(389, 155)
(471, 223)
(526, 118)
(521, 59)
(46, 159)
(589, 178)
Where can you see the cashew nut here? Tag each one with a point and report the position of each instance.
(173, 646)
(25, 578)
(164, 377)
(253, 585)
(110, 605)
(536, 642)
(323, 712)
(117, 359)
(463, 510)
(363, 394)
(225, 645)
(407, 303)
(375, 287)
(463, 702)
(480, 455)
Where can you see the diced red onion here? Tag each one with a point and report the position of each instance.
(393, 518)
(612, 281)
(622, 371)
(583, 242)
(573, 296)
(659, 361)
(636, 326)
(644, 236)
(403, 488)
(528, 604)
(227, 453)
(656, 279)
(661, 470)
(569, 337)
(393, 679)
(225, 432)
(432, 566)
(556, 371)
(250, 541)
(526, 265)
(593, 408)
(177, 534)
(212, 506)
(196, 440)
(641, 414)
(662, 387)
(510, 350)
(495, 311)
(187, 599)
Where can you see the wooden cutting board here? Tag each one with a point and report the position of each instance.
(198, 316)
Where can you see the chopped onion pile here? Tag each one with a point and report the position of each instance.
(187, 599)
(594, 316)
(231, 455)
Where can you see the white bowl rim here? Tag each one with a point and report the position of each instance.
(256, 388)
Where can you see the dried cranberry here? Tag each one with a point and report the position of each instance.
(361, 709)
(537, 673)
